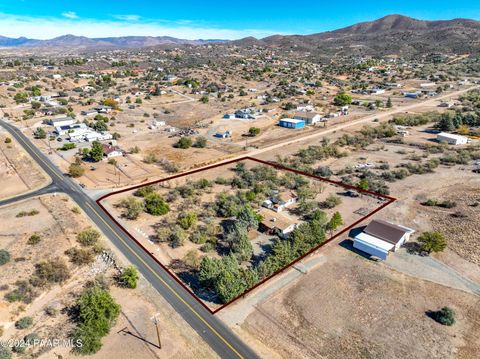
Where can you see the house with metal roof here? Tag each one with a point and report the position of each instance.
(380, 238)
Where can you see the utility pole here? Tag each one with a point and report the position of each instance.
(158, 332)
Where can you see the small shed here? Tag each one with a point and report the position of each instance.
(291, 123)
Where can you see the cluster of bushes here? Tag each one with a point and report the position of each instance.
(436, 203)
(30, 213)
(153, 203)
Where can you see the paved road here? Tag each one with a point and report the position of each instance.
(216, 334)
(51, 188)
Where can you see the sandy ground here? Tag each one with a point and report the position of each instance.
(350, 307)
(58, 225)
(18, 173)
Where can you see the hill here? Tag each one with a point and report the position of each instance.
(390, 35)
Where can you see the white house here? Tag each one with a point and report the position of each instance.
(310, 118)
(380, 238)
(452, 139)
(98, 136)
(62, 121)
(110, 151)
(377, 91)
(63, 130)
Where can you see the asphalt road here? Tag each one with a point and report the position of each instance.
(218, 336)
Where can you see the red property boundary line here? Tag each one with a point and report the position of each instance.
(389, 200)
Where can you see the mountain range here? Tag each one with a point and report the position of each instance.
(393, 34)
(82, 42)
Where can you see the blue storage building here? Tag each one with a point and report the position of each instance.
(291, 123)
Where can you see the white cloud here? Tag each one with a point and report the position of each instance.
(49, 27)
(127, 17)
(70, 15)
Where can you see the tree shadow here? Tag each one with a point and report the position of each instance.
(415, 248)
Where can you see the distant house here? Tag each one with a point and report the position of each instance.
(376, 91)
(103, 109)
(380, 238)
(89, 113)
(226, 134)
(291, 123)
(110, 151)
(411, 94)
(310, 118)
(229, 116)
(452, 139)
(283, 200)
(246, 114)
(62, 121)
(66, 129)
(98, 136)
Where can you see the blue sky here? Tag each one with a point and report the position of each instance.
(209, 19)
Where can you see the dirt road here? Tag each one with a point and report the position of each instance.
(379, 116)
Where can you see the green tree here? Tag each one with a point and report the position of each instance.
(432, 242)
(342, 99)
(97, 313)
(389, 103)
(249, 218)
(96, 151)
(204, 99)
(253, 131)
(445, 316)
(21, 97)
(184, 142)
(335, 221)
(128, 278)
(40, 133)
(445, 123)
(156, 205)
(76, 169)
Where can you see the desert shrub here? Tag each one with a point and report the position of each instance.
(128, 278)
(5, 352)
(80, 256)
(331, 202)
(34, 239)
(144, 191)
(31, 213)
(51, 271)
(51, 311)
(24, 292)
(4, 257)
(132, 208)
(24, 323)
(88, 237)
